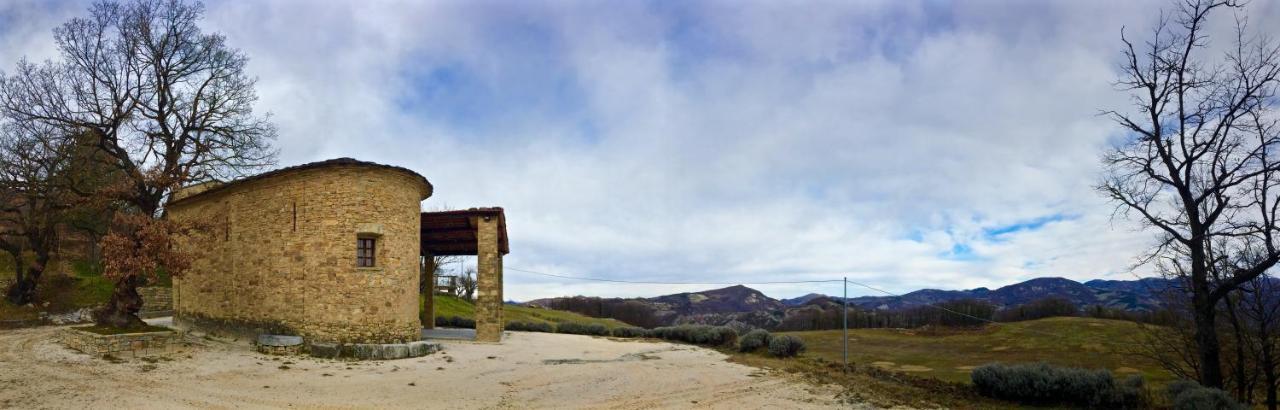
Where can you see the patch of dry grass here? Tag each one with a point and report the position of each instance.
(951, 354)
(870, 384)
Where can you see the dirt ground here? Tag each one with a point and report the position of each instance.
(528, 370)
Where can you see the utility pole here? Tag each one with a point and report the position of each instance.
(845, 299)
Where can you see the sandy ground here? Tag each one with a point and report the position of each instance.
(528, 370)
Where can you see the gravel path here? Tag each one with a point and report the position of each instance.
(528, 370)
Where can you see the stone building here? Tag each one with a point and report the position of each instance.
(330, 251)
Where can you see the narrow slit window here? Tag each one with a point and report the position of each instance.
(366, 248)
(295, 216)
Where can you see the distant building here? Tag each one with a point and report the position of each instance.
(330, 251)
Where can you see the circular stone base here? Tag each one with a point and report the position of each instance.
(279, 345)
(280, 350)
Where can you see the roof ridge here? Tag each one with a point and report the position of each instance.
(341, 161)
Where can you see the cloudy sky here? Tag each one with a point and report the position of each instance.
(904, 144)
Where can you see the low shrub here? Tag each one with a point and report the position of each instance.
(530, 327)
(455, 321)
(697, 334)
(753, 340)
(726, 336)
(592, 329)
(786, 346)
(1189, 395)
(1178, 386)
(630, 332)
(1041, 384)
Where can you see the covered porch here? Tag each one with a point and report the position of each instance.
(481, 232)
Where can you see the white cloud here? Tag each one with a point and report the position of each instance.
(722, 142)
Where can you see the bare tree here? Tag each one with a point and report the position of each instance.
(1261, 306)
(1199, 160)
(33, 202)
(168, 104)
(467, 284)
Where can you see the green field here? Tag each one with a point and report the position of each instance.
(950, 355)
(84, 286)
(447, 306)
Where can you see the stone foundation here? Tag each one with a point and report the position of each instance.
(361, 351)
(237, 329)
(121, 345)
(156, 301)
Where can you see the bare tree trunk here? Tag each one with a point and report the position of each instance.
(122, 310)
(1243, 386)
(17, 291)
(1268, 369)
(23, 290)
(1206, 336)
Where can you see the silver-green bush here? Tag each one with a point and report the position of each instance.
(1189, 395)
(697, 334)
(753, 340)
(726, 336)
(593, 329)
(1178, 386)
(630, 332)
(1204, 398)
(1041, 384)
(456, 321)
(786, 346)
(530, 327)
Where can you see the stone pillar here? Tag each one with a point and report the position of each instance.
(489, 281)
(428, 313)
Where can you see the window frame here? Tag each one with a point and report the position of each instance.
(366, 257)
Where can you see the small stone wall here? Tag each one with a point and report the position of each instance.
(127, 344)
(156, 301)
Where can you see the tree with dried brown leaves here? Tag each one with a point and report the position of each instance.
(169, 105)
(1199, 164)
(138, 250)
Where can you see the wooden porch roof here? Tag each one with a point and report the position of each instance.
(454, 232)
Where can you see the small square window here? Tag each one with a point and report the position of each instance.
(366, 248)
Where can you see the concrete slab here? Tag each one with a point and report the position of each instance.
(445, 333)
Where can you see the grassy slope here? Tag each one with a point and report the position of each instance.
(451, 306)
(1079, 342)
(86, 287)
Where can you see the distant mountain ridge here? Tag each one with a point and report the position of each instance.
(1131, 295)
(752, 307)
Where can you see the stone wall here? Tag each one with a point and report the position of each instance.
(121, 345)
(281, 255)
(156, 301)
(488, 281)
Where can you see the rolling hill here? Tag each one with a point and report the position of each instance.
(1132, 295)
(741, 305)
(449, 306)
